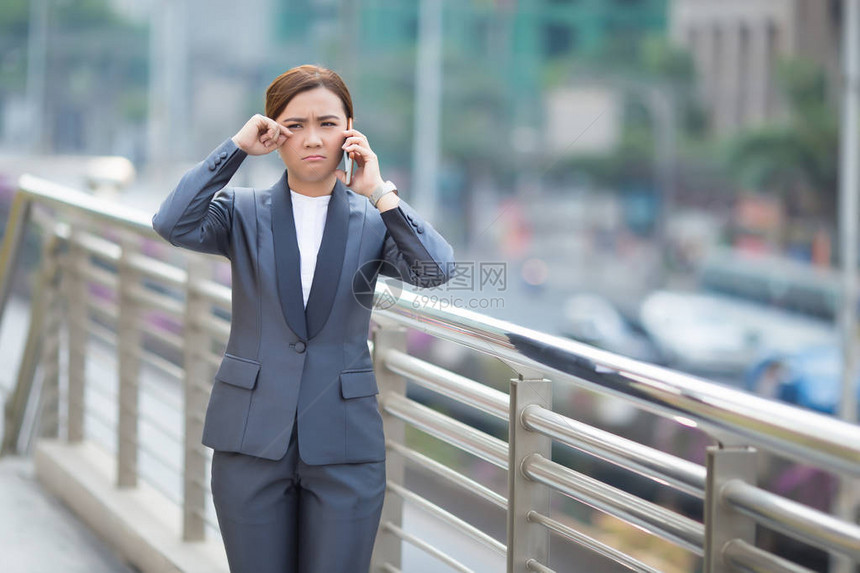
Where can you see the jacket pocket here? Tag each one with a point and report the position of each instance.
(358, 383)
(240, 372)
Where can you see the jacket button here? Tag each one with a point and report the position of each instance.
(299, 346)
(211, 167)
(223, 155)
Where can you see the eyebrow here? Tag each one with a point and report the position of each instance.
(304, 119)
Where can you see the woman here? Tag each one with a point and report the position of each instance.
(298, 473)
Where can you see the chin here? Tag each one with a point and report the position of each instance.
(311, 176)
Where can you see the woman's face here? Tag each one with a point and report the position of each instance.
(317, 120)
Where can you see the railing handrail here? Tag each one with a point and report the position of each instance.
(726, 412)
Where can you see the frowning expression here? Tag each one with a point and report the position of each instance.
(317, 120)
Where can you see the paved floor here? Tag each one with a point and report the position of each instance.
(38, 534)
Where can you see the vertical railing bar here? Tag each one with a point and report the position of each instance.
(196, 343)
(388, 547)
(76, 305)
(526, 540)
(723, 523)
(19, 216)
(128, 341)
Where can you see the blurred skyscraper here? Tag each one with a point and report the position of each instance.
(737, 45)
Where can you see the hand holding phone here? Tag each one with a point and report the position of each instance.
(347, 160)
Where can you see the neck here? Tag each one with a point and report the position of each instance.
(314, 188)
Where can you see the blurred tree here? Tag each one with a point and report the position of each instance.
(655, 64)
(798, 158)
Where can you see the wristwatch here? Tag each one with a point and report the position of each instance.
(384, 189)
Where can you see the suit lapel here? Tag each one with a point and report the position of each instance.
(329, 261)
(307, 323)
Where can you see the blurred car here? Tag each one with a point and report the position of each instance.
(594, 320)
(715, 334)
(811, 378)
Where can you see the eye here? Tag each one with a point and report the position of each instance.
(329, 124)
(294, 126)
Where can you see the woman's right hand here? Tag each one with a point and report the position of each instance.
(261, 135)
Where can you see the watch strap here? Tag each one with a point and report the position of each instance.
(384, 189)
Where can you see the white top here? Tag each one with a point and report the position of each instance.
(309, 213)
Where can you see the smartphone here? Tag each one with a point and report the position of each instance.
(347, 160)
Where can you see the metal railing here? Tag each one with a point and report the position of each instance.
(104, 285)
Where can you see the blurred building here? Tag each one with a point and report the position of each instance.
(738, 44)
(513, 39)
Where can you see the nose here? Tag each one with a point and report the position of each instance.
(312, 138)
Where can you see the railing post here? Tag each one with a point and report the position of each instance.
(128, 347)
(196, 385)
(77, 319)
(388, 547)
(526, 539)
(49, 396)
(13, 238)
(722, 523)
(16, 403)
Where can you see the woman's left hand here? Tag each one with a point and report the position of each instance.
(366, 176)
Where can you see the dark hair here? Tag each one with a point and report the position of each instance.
(300, 79)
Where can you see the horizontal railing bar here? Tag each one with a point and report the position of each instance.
(214, 326)
(533, 565)
(649, 462)
(447, 517)
(653, 518)
(158, 271)
(590, 543)
(213, 360)
(72, 200)
(96, 246)
(169, 433)
(161, 364)
(100, 333)
(174, 341)
(750, 559)
(98, 276)
(146, 476)
(152, 300)
(448, 383)
(105, 422)
(213, 292)
(452, 476)
(155, 455)
(425, 547)
(792, 518)
(795, 432)
(106, 309)
(102, 393)
(448, 430)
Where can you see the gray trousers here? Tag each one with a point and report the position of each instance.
(285, 516)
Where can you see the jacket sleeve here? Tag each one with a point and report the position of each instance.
(421, 256)
(198, 213)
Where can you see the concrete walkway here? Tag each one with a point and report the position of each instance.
(38, 534)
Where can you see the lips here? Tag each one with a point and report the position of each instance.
(313, 158)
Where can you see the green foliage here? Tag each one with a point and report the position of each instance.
(800, 153)
(14, 17)
(654, 62)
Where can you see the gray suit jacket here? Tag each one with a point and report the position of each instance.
(285, 362)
